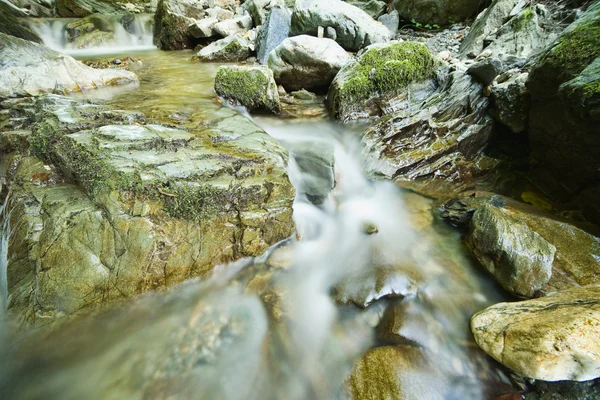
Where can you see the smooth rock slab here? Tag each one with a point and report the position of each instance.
(307, 62)
(551, 338)
(27, 69)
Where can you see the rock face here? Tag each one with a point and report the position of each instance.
(232, 48)
(354, 28)
(117, 206)
(307, 62)
(519, 258)
(551, 338)
(274, 31)
(381, 72)
(10, 25)
(28, 69)
(83, 8)
(172, 21)
(518, 243)
(441, 12)
(563, 122)
(252, 87)
(510, 100)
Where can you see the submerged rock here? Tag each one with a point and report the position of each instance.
(441, 12)
(306, 62)
(381, 72)
(552, 338)
(563, 121)
(354, 28)
(26, 68)
(233, 48)
(252, 87)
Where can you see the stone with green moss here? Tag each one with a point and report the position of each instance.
(381, 71)
(230, 49)
(172, 21)
(251, 87)
(92, 31)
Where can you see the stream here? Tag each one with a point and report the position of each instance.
(370, 266)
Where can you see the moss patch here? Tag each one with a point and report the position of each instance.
(253, 88)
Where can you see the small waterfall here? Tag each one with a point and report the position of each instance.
(130, 33)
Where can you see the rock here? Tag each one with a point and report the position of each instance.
(395, 372)
(391, 21)
(129, 207)
(486, 24)
(172, 21)
(230, 49)
(372, 7)
(551, 338)
(35, 8)
(91, 31)
(275, 30)
(10, 24)
(203, 28)
(576, 261)
(355, 29)
(83, 8)
(485, 70)
(563, 121)
(26, 68)
(307, 62)
(252, 87)
(330, 33)
(241, 24)
(440, 12)
(518, 258)
(510, 100)
(563, 390)
(259, 9)
(381, 71)
(317, 163)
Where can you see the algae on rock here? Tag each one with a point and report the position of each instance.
(252, 87)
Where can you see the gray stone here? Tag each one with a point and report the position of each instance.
(203, 28)
(510, 100)
(172, 23)
(275, 30)
(486, 70)
(317, 162)
(355, 28)
(372, 7)
(307, 62)
(241, 24)
(259, 9)
(441, 12)
(253, 87)
(229, 49)
(391, 21)
(330, 33)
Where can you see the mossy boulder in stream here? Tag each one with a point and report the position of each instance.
(251, 87)
(565, 110)
(91, 31)
(112, 206)
(381, 71)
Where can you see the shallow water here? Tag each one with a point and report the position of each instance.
(289, 324)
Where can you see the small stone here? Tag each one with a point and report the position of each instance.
(370, 228)
(320, 32)
(444, 55)
(330, 33)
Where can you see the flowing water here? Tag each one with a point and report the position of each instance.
(292, 323)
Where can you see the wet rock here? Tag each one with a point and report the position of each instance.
(518, 258)
(259, 9)
(382, 71)
(372, 7)
(252, 87)
(440, 12)
(83, 8)
(551, 338)
(486, 70)
(203, 28)
(237, 25)
(510, 100)
(135, 207)
(26, 67)
(487, 23)
(565, 390)
(35, 8)
(232, 48)
(391, 21)
(355, 29)
(172, 21)
(307, 62)
(275, 30)
(10, 24)
(563, 120)
(317, 165)
(91, 31)
(576, 261)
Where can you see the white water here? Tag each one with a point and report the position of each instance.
(4, 236)
(54, 35)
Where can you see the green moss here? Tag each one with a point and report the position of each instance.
(522, 20)
(386, 70)
(247, 86)
(575, 50)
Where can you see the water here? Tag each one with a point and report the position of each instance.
(289, 324)
(130, 35)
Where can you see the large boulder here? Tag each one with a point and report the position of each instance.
(172, 21)
(232, 26)
(354, 29)
(274, 31)
(382, 71)
(10, 24)
(28, 68)
(252, 87)
(233, 48)
(307, 62)
(563, 121)
(529, 251)
(113, 206)
(441, 12)
(552, 338)
(510, 100)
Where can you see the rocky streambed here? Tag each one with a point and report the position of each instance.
(322, 200)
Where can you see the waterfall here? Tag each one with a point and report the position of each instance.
(130, 33)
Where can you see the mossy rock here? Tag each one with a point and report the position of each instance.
(252, 87)
(83, 8)
(10, 25)
(89, 24)
(381, 71)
